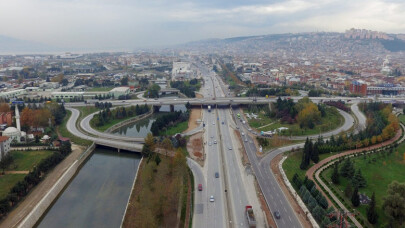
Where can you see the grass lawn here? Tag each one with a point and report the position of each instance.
(379, 174)
(7, 182)
(26, 160)
(292, 164)
(108, 125)
(86, 110)
(277, 141)
(65, 133)
(100, 89)
(178, 128)
(332, 120)
(402, 118)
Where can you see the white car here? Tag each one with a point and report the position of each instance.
(212, 199)
(243, 133)
(209, 144)
(213, 123)
(215, 141)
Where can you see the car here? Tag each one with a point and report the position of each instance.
(212, 136)
(243, 133)
(246, 140)
(223, 122)
(199, 187)
(212, 199)
(175, 99)
(216, 175)
(237, 127)
(144, 100)
(215, 141)
(213, 123)
(277, 215)
(230, 148)
(155, 99)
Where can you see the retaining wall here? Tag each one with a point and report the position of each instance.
(39, 210)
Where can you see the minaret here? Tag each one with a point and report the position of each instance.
(17, 118)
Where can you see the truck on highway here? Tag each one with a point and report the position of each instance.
(209, 108)
(250, 216)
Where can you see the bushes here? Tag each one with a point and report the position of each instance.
(338, 104)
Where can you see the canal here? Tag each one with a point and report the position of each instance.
(98, 194)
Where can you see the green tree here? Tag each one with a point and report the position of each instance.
(372, 215)
(394, 202)
(348, 190)
(124, 81)
(335, 174)
(347, 169)
(315, 153)
(355, 197)
(358, 180)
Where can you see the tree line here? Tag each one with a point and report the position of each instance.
(338, 104)
(167, 120)
(314, 200)
(188, 88)
(106, 115)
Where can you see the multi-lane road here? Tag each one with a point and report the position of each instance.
(229, 188)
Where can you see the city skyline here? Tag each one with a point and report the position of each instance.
(125, 25)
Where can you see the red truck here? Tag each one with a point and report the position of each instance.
(250, 216)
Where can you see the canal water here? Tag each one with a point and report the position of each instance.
(98, 194)
(142, 127)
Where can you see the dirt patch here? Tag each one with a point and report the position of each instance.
(192, 121)
(195, 148)
(199, 95)
(36, 194)
(297, 209)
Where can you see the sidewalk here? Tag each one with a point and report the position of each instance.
(310, 172)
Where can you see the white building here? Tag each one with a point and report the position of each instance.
(119, 91)
(182, 71)
(12, 93)
(4, 146)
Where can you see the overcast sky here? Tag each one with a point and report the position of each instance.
(117, 24)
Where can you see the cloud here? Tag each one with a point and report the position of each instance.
(137, 23)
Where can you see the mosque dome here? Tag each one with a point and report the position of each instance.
(10, 130)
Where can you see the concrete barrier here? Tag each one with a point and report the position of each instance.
(39, 210)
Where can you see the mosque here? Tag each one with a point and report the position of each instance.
(15, 134)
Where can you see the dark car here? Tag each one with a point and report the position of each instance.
(216, 175)
(277, 215)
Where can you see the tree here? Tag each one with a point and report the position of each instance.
(347, 169)
(335, 174)
(348, 190)
(372, 215)
(157, 159)
(315, 153)
(358, 180)
(355, 197)
(124, 81)
(167, 144)
(150, 141)
(394, 202)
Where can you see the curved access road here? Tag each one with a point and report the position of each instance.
(71, 126)
(85, 125)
